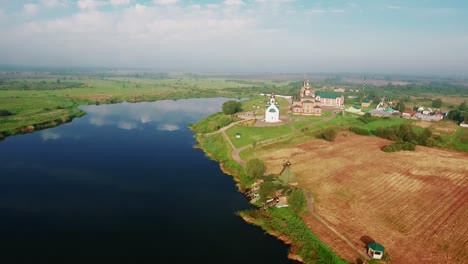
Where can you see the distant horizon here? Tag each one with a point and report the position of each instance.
(107, 69)
(393, 37)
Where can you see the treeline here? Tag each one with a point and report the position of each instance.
(42, 85)
(407, 137)
(431, 87)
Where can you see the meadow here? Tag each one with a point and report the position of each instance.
(31, 102)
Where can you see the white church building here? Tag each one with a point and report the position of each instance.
(272, 110)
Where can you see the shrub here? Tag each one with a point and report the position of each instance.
(297, 201)
(360, 131)
(231, 107)
(255, 168)
(367, 118)
(267, 189)
(329, 134)
(5, 112)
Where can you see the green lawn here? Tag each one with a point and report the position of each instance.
(300, 121)
(250, 134)
(386, 122)
(457, 140)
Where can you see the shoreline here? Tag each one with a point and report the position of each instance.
(302, 246)
(285, 239)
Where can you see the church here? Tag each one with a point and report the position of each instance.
(310, 103)
(272, 110)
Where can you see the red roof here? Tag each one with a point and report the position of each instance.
(410, 112)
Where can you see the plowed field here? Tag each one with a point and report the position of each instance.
(414, 203)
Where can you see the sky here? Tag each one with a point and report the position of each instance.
(290, 36)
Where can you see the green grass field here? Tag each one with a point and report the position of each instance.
(251, 135)
(300, 121)
(386, 122)
(46, 99)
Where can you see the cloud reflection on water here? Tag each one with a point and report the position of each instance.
(166, 115)
(49, 135)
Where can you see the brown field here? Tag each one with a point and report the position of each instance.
(414, 203)
(440, 127)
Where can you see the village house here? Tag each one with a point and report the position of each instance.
(310, 103)
(375, 250)
(366, 102)
(408, 114)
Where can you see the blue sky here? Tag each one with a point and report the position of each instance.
(239, 35)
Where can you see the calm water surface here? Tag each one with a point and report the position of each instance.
(123, 184)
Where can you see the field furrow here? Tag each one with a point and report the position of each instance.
(413, 202)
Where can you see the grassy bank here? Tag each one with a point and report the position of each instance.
(219, 150)
(283, 223)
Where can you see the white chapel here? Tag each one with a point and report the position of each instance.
(272, 110)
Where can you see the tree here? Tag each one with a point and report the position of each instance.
(255, 168)
(297, 201)
(437, 103)
(400, 106)
(463, 106)
(231, 107)
(267, 189)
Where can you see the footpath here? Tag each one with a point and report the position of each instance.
(235, 154)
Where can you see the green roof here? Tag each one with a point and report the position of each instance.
(272, 110)
(366, 100)
(376, 246)
(327, 95)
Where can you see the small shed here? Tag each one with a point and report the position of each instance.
(375, 250)
(238, 135)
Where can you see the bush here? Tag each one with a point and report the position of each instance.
(267, 189)
(5, 112)
(255, 168)
(400, 146)
(367, 118)
(329, 134)
(360, 131)
(231, 107)
(297, 201)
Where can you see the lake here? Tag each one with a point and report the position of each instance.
(124, 184)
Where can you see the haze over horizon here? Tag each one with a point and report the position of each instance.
(422, 37)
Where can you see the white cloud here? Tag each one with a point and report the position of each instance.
(97, 121)
(90, 4)
(53, 3)
(316, 11)
(49, 135)
(169, 127)
(30, 9)
(126, 125)
(234, 2)
(392, 7)
(165, 2)
(323, 11)
(145, 118)
(119, 2)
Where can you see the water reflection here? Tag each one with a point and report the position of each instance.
(123, 184)
(166, 115)
(50, 135)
